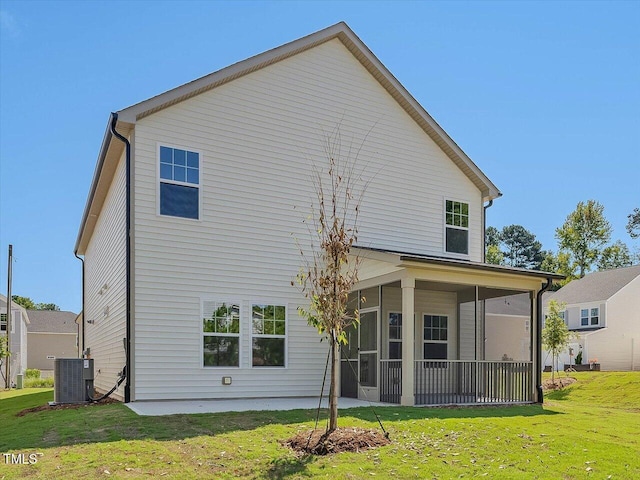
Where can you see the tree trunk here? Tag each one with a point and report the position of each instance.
(333, 390)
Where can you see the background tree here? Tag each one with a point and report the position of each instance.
(494, 255)
(584, 234)
(561, 264)
(513, 245)
(47, 306)
(29, 304)
(555, 334)
(520, 247)
(633, 224)
(329, 274)
(25, 302)
(615, 256)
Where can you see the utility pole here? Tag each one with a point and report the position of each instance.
(8, 359)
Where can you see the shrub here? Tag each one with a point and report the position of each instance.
(32, 373)
(579, 358)
(38, 382)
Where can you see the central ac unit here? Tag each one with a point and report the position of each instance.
(73, 380)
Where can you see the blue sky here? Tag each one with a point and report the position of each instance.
(543, 96)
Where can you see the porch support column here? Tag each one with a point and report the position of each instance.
(408, 340)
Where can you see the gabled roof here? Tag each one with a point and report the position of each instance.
(50, 321)
(128, 116)
(14, 306)
(596, 286)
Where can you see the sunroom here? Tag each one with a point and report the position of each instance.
(422, 337)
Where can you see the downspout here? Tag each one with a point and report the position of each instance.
(538, 363)
(83, 312)
(484, 231)
(127, 340)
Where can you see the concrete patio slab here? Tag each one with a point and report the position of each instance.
(174, 407)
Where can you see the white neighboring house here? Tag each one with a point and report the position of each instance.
(188, 247)
(17, 336)
(603, 309)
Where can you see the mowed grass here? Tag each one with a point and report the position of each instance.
(588, 430)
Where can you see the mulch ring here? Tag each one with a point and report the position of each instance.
(340, 440)
(558, 384)
(65, 406)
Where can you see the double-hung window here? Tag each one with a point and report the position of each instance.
(435, 337)
(3, 322)
(395, 335)
(221, 331)
(456, 227)
(268, 330)
(589, 316)
(179, 183)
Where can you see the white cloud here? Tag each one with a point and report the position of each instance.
(8, 24)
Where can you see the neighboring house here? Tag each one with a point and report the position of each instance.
(603, 310)
(508, 328)
(18, 339)
(188, 240)
(51, 334)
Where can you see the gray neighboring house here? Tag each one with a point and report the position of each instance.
(51, 335)
(603, 309)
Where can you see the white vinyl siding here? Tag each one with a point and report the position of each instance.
(105, 287)
(256, 135)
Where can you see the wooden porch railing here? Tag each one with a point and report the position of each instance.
(447, 382)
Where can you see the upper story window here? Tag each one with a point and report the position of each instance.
(589, 316)
(221, 330)
(179, 183)
(456, 227)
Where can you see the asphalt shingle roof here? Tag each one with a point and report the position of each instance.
(50, 321)
(596, 286)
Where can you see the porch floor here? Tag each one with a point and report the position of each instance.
(175, 407)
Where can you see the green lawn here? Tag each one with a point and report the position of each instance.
(589, 430)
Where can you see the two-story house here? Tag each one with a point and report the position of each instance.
(16, 333)
(602, 309)
(188, 247)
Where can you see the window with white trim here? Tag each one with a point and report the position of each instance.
(589, 316)
(435, 337)
(179, 183)
(3, 322)
(268, 335)
(395, 335)
(221, 334)
(456, 227)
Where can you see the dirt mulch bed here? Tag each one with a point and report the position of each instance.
(560, 383)
(66, 406)
(340, 440)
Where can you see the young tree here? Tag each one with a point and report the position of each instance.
(555, 334)
(330, 273)
(633, 225)
(615, 256)
(584, 234)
